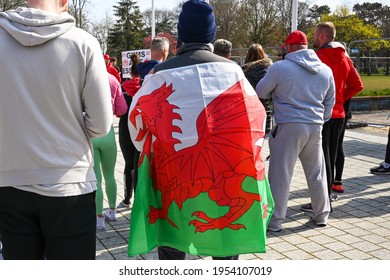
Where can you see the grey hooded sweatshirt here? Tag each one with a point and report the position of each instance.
(302, 88)
(54, 96)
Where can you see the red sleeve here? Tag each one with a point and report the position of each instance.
(114, 72)
(353, 84)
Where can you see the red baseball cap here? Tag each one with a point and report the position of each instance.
(106, 57)
(296, 37)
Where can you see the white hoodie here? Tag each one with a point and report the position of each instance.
(54, 96)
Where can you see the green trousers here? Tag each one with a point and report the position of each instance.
(105, 153)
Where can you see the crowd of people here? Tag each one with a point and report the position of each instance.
(62, 144)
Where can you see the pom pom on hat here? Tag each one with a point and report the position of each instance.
(196, 22)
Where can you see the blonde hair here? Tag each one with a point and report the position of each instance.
(160, 44)
(327, 28)
(255, 52)
(222, 47)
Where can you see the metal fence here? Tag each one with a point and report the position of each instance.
(372, 65)
(367, 65)
(238, 54)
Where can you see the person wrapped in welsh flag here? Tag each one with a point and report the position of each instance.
(199, 126)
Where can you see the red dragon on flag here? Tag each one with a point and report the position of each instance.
(229, 132)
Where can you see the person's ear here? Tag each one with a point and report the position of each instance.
(64, 5)
(322, 37)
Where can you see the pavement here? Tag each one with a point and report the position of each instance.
(358, 228)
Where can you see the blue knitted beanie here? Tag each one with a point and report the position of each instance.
(145, 67)
(196, 22)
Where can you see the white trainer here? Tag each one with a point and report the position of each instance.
(110, 215)
(100, 223)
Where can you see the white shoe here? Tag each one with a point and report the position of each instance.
(100, 223)
(110, 215)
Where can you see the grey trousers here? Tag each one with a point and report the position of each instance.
(288, 142)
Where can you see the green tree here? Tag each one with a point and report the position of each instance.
(369, 12)
(227, 20)
(386, 21)
(259, 25)
(308, 16)
(379, 16)
(350, 28)
(127, 32)
(317, 11)
(375, 14)
(354, 32)
(11, 4)
(164, 21)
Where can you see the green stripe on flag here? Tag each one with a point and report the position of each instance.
(144, 237)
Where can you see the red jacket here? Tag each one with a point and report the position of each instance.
(132, 86)
(347, 80)
(112, 70)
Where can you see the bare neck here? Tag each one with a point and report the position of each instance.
(52, 6)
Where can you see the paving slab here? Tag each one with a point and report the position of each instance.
(358, 229)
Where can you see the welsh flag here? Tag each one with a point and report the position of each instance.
(201, 186)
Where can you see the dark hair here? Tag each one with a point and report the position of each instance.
(134, 62)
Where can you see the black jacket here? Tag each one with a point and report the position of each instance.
(254, 71)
